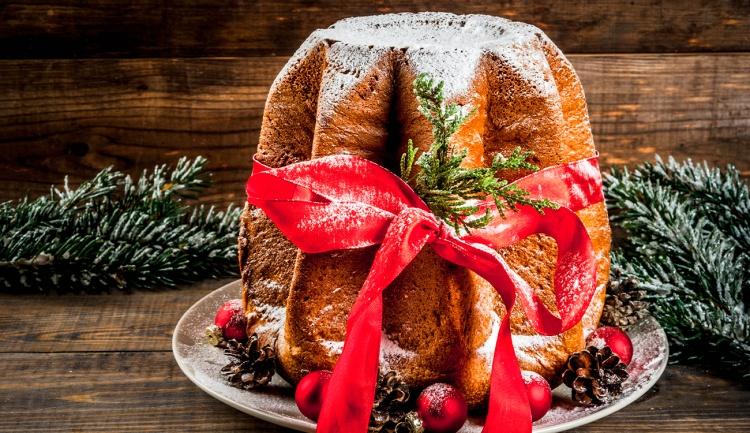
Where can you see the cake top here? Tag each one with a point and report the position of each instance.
(442, 45)
(424, 30)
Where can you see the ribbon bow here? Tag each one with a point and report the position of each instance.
(343, 202)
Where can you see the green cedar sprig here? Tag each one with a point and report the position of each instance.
(687, 230)
(451, 191)
(112, 232)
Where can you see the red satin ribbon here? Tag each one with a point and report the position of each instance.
(343, 201)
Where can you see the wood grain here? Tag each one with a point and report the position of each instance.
(688, 106)
(120, 28)
(146, 392)
(74, 117)
(110, 392)
(109, 322)
(60, 117)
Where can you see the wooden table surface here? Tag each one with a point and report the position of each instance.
(103, 363)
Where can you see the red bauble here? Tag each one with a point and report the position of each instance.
(310, 393)
(226, 311)
(230, 318)
(236, 328)
(442, 408)
(616, 339)
(539, 392)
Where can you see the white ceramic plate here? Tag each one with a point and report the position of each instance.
(201, 364)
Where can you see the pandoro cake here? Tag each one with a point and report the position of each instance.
(348, 90)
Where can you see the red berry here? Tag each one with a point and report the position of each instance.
(442, 408)
(310, 393)
(616, 339)
(231, 319)
(539, 393)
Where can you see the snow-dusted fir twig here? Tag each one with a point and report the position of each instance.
(687, 242)
(450, 190)
(113, 232)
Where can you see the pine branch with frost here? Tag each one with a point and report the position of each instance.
(114, 232)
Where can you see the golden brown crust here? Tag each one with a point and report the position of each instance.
(266, 264)
(323, 286)
(439, 319)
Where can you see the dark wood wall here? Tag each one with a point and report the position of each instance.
(134, 83)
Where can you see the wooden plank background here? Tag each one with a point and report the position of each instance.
(84, 85)
(76, 116)
(200, 28)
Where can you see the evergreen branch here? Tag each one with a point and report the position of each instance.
(724, 195)
(517, 160)
(687, 227)
(114, 232)
(407, 161)
(450, 190)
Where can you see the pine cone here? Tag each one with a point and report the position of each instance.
(252, 366)
(625, 304)
(595, 376)
(390, 413)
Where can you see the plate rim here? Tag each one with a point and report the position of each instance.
(268, 416)
(309, 426)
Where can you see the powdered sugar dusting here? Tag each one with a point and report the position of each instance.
(348, 214)
(527, 345)
(524, 344)
(391, 353)
(265, 318)
(456, 67)
(271, 313)
(437, 393)
(595, 307)
(523, 54)
(271, 284)
(423, 30)
(487, 350)
(444, 45)
(334, 347)
(347, 65)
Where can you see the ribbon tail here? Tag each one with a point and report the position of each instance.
(508, 406)
(508, 409)
(351, 390)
